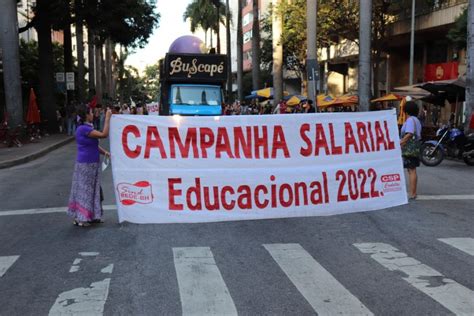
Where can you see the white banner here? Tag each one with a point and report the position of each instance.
(179, 169)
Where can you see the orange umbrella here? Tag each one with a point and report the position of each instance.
(346, 100)
(388, 97)
(33, 115)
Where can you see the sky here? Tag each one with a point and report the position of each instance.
(171, 26)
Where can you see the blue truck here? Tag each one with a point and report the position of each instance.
(192, 84)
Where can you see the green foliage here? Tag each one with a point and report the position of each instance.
(458, 33)
(151, 81)
(29, 61)
(203, 14)
(126, 22)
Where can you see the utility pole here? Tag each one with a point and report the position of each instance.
(228, 51)
(277, 28)
(312, 67)
(470, 64)
(365, 29)
(11, 62)
(412, 42)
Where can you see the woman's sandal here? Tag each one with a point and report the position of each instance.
(81, 224)
(97, 221)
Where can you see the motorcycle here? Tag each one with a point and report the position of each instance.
(451, 142)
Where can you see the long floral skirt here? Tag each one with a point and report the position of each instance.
(85, 199)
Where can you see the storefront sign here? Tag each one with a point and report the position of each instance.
(207, 169)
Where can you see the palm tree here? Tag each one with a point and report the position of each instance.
(198, 14)
(470, 62)
(255, 47)
(277, 28)
(11, 61)
(204, 14)
(240, 53)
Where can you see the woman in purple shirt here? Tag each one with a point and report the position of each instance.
(85, 200)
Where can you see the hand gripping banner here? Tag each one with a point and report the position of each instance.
(180, 169)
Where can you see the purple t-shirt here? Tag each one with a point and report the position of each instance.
(87, 147)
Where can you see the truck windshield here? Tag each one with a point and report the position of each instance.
(196, 95)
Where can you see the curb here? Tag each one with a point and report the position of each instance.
(33, 156)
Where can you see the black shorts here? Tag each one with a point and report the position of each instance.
(411, 162)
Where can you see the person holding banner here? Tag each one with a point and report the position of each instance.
(410, 144)
(85, 200)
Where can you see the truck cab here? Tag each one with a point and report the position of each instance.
(192, 84)
(194, 99)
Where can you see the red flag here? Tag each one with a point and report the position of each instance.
(93, 102)
(32, 116)
(444, 71)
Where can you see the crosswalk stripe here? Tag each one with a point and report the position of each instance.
(463, 244)
(450, 294)
(6, 262)
(325, 294)
(82, 301)
(201, 287)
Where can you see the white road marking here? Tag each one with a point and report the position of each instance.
(89, 254)
(6, 262)
(82, 301)
(77, 261)
(325, 294)
(108, 269)
(452, 295)
(463, 244)
(73, 269)
(201, 287)
(36, 211)
(446, 197)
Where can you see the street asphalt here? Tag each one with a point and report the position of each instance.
(263, 267)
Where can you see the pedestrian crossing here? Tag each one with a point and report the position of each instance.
(204, 290)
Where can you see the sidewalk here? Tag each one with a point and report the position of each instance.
(13, 156)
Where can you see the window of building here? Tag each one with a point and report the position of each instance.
(248, 18)
(247, 36)
(248, 55)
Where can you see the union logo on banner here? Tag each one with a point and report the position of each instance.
(391, 182)
(138, 192)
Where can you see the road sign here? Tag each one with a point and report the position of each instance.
(60, 77)
(70, 77)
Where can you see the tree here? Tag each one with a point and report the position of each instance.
(277, 28)
(240, 53)
(255, 46)
(11, 62)
(80, 50)
(151, 81)
(208, 15)
(470, 64)
(458, 33)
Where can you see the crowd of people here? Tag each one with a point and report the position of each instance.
(266, 107)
